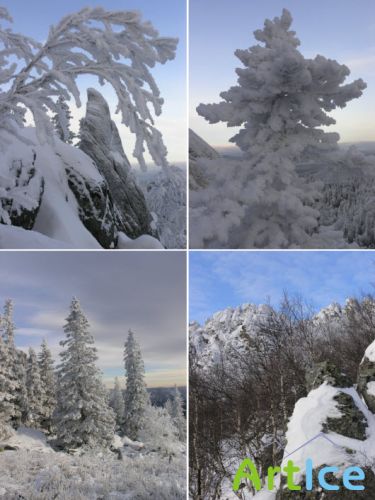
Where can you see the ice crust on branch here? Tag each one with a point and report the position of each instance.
(280, 101)
(117, 47)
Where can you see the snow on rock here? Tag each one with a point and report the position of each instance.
(198, 148)
(366, 377)
(306, 423)
(58, 214)
(12, 237)
(370, 352)
(226, 330)
(371, 388)
(26, 438)
(142, 242)
(165, 192)
(101, 141)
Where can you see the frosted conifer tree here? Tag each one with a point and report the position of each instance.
(116, 47)
(61, 121)
(35, 391)
(83, 416)
(174, 407)
(136, 396)
(47, 375)
(7, 398)
(117, 404)
(158, 431)
(9, 383)
(280, 102)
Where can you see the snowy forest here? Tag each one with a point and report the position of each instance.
(60, 189)
(64, 435)
(265, 380)
(289, 182)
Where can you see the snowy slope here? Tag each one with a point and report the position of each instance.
(58, 217)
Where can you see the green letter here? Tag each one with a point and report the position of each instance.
(290, 469)
(252, 476)
(272, 471)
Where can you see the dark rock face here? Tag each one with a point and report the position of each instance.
(325, 372)
(366, 374)
(101, 141)
(96, 209)
(352, 423)
(21, 195)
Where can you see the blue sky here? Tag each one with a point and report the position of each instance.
(144, 291)
(228, 279)
(338, 29)
(34, 18)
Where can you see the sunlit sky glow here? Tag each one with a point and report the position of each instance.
(338, 29)
(143, 291)
(168, 17)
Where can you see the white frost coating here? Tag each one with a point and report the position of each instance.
(144, 242)
(370, 353)
(58, 217)
(12, 237)
(280, 101)
(30, 439)
(116, 47)
(370, 388)
(306, 422)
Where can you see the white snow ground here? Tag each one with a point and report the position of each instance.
(37, 472)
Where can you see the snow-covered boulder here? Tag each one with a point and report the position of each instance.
(101, 141)
(366, 377)
(333, 427)
(55, 191)
(21, 190)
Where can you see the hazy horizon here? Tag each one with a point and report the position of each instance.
(118, 291)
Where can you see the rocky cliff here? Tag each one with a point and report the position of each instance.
(100, 140)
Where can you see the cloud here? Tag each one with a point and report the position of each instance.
(144, 291)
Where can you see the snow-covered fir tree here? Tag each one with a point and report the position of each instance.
(9, 383)
(61, 121)
(117, 403)
(7, 398)
(48, 380)
(20, 372)
(175, 409)
(281, 101)
(83, 416)
(116, 47)
(136, 396)
(35, 391)
(158, 431)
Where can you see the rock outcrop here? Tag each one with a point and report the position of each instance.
(198, 148)
(366, 377)
(101, 141)
(21, 194)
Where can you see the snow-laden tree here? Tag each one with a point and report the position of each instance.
(61, 121)
(20, 372)
(136, 396)
(83, 416)
(9, 382)
(158, 431)
(7, 398)
(281, 101)
(48, 380)
(35, 390)
(117, 403)
(175, 409)
(117, 47)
